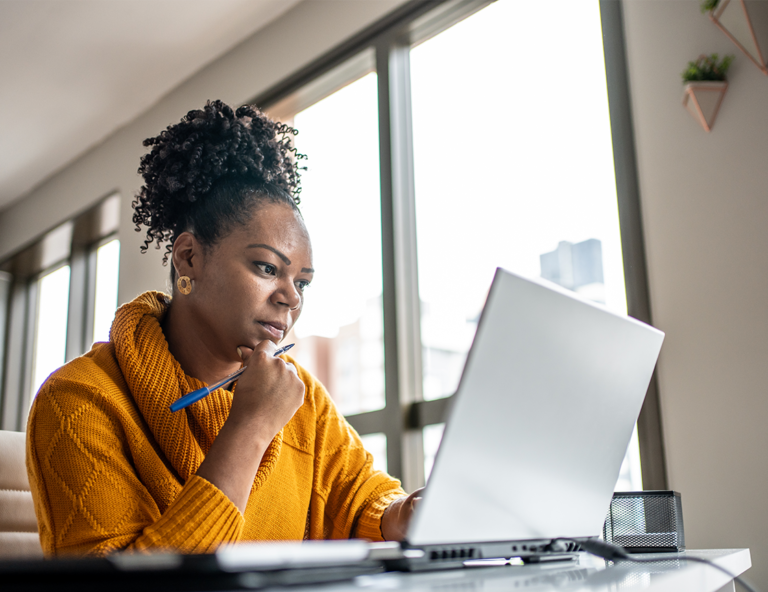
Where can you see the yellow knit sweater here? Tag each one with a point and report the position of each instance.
(110, 467)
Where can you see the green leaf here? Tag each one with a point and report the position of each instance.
(707, 67)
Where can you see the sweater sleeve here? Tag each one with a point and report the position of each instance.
(355, 494)
(89, 498)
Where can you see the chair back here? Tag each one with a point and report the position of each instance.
(18, 524)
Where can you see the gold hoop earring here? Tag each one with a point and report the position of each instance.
(184, 284)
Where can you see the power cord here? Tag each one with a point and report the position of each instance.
(612, 552)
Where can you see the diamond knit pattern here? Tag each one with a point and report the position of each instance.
(111, 468)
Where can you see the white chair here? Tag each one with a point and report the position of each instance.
(18, 525)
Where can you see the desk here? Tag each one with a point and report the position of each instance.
(585, 574)
(670, 574)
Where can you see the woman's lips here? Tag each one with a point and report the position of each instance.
(274, 329)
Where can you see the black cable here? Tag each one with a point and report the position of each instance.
(612, 552)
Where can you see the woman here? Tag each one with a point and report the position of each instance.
(112, 468)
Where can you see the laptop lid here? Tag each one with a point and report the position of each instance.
(541, 421)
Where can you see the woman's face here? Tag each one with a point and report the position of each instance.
(250, 285)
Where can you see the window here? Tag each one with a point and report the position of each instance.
(432, 435)
(504, 178)
(376, 444)
(630, 475)
(57, 297)
(443, 106)
(340, 335)
(105, 297)
(520, 178)
(51, 326)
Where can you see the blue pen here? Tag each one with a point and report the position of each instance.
(195, 396)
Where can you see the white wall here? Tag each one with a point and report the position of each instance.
(705, 210)
(301, 35)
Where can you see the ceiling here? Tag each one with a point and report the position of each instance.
(74, 71)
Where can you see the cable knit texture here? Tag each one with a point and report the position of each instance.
(111, 467)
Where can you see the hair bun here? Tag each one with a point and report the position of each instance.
(188, 158)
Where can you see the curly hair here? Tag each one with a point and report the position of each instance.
(207, 173)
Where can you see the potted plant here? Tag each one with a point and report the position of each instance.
(705, 87)
(733, 19)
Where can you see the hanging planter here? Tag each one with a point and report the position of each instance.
(733, 19)
(702, 99)
(705, 87)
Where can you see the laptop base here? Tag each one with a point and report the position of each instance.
(454, 556)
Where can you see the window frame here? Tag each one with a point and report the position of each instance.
(72, 243)
(649, 423)
(406, 413)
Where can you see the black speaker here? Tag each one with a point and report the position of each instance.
(646, 521)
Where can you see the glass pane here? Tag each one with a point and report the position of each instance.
(631, 476)
(431, 434)
(107, 274)
(51, 326)
(513, 168)
(376, 444)
(339, 336)
(529, 163)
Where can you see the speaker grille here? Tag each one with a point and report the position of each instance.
(645, 521)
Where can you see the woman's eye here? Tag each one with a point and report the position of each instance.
(267, 268)
(302, 285)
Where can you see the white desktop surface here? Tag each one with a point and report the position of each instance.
(670, 574)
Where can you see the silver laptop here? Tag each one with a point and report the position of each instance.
(538, 428)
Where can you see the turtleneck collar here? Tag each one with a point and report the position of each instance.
(156, 379)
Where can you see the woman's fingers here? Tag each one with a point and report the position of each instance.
(266, 346)
(398, 515)
(245, 352)
(415, 497)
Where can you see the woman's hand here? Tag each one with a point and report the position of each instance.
(268, 395)
(394, 522)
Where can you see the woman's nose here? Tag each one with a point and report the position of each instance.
(288, 295)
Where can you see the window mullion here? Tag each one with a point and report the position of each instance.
(78, 282)
(402, 338)
(89, 305)
(17, 378)
(6, 290)
(369, 422)
(649, 429)
(27, 342)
